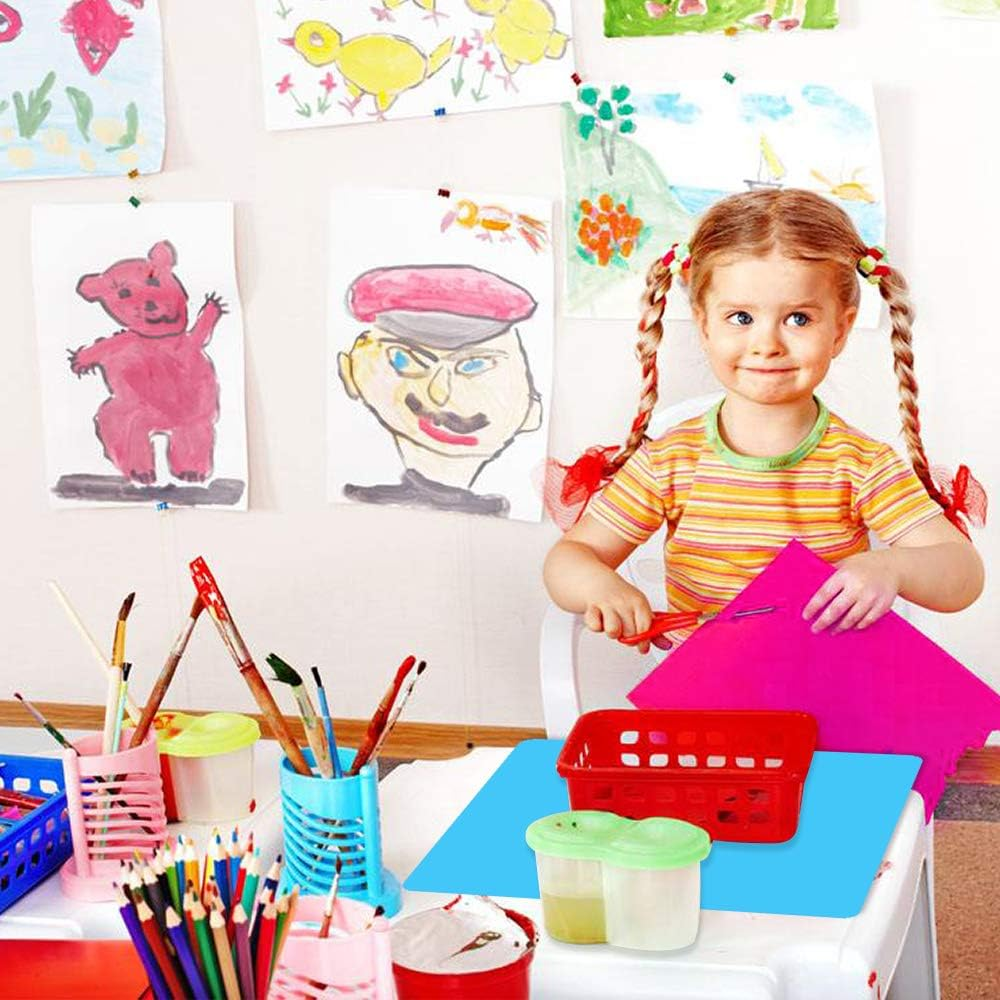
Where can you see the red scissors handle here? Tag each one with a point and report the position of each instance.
(668, 621)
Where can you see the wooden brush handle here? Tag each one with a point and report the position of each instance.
(275, 719)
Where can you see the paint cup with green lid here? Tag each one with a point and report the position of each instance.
(207, 765)
(630, 883)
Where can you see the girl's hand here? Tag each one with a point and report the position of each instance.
(619, 609)
(857, 595)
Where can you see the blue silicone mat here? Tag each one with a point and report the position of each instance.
(850, 805)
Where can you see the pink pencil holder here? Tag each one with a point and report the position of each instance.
(358, 966)
(115, 805)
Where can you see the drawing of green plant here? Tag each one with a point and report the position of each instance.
(607, 117)
(131, 129)
(83, 109)
(31, 114)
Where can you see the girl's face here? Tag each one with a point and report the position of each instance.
(770, 326)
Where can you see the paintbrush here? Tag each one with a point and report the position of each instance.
(45, 724)
(391, 723)
(166, 675)
(381, 715)
(120, 708)
(331, 739)
(102, 660)
(324, 930)
(286, 674)
(115, 676)
(210, 594)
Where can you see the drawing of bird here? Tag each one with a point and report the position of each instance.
(391, 5)
(497, 219)
(852, 190)
(524, 31)
(380, 65)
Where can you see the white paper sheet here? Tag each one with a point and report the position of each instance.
(143, 303)
(348, 63)
(81, 88)
(690, 146)
(469, 415)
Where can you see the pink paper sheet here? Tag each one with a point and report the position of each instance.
(888, 689)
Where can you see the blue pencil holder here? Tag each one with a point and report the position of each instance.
(327, 818)
(35, 846)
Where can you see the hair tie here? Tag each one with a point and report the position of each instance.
(678, 259)
(964, 498)
(873, 267)
(568, 488)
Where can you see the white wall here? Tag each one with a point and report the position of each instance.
(354, 588)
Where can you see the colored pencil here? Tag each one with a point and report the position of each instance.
(154, 894)
(210, 594)
(131, 919)
(189, 900)
(285, 926)
(192, 875)
(244, 958)
(331, 739)
(220, 867)
(273, 876)
(178, 935)
(234, 855)
(250, 885)
(390, 723)
(154, 939)
(224, 956)
(381, 715)
(115, 675)
(263, 901)
(166, 675)
(171, 870)
(280, 919)
(265, 946)
(45, 724)
(331, 899)
(133, 710)
(207, 949)
(286, 674)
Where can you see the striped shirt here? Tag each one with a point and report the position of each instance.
(729, 515)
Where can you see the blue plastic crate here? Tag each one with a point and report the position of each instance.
(35, 846)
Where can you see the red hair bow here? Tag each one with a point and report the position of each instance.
(568, 488)
(964, 497)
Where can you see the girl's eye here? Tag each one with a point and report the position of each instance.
(404, 363)
(124, 293)
(798, 319)
(741, 318)
(474, 366)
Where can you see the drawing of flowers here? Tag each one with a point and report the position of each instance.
(608, 231)
(285, 86)
(463, 52)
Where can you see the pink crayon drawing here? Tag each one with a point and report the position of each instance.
(10, 23)
(159, 378)
(97, 30)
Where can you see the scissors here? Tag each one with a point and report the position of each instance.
(668, 621)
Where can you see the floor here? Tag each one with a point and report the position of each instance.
(967, 891)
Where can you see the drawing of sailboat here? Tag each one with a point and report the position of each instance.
(770, 170)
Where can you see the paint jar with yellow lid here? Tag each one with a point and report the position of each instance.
(207, 765)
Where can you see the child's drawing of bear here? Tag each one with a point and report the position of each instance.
(158, 375)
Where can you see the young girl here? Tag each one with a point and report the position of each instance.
(773, 278)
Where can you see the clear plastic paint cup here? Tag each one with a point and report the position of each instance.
(630, 883)
(207, 764)
(570, 875)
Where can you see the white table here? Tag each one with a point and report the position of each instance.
(738, 956)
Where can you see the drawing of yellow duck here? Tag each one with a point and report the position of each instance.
(852, 190)
(380, 65)
(524, 31)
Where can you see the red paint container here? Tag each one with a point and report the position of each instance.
(509, 982)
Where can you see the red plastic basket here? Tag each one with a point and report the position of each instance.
(738, 775)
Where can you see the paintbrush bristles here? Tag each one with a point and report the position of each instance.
(283, 672)
(316, 676)
(126, 607)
